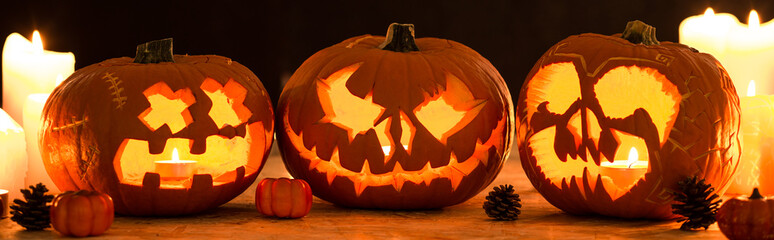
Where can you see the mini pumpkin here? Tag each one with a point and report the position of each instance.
(283, 197)
(82, 213)
(395, 122)
(108, 123)
(592, 98)
(747, 217)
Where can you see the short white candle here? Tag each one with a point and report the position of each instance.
(175, 169)
(27, 69)
(36, 171)
(13, 161)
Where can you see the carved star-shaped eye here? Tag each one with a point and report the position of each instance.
(227, 102)
(447, 113)
(167, 107)
(342, 108)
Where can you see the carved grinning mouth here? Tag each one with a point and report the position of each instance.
(220, 160)
(455, 171)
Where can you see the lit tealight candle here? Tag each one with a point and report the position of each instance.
(625, 172)
(175, 169)
(388, 149)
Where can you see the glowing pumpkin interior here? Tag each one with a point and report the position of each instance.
(582, 119)
(442, 114)
(224, 155)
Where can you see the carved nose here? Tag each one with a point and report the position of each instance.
(395, 134)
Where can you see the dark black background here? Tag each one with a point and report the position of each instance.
(273, 38)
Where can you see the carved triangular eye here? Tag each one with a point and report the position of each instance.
(342, 108)
(446, 113)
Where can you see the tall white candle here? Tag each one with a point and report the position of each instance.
(755, 169)
(744, 50)
(13, 157)
(27, 69)
(36, 171)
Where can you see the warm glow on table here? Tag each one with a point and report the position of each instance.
(27, 69)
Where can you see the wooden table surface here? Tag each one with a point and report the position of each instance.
(239, 219)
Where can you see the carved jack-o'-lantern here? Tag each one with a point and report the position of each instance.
(405, 125)
(592, 98)
(108, 124)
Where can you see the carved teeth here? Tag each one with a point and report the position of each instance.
(455, 171)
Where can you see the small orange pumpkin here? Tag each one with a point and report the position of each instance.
(283, 197)
(82, 213)
(747, 217)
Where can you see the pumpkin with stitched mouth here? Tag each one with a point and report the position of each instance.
(395, 122)
(105, 127)
(592, 98)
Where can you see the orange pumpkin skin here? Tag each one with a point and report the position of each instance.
(559, 129)
(351, 168)
(82, 213)
(92, 118)
(283, 197)
(747, 217)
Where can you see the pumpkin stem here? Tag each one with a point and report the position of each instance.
(154, 51)
(638, 32)
(400, 38)
(756, 194)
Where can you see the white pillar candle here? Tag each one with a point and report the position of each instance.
(13, 156)
(27, 69)
(745, 50)
(36, 171)
(755, 169)
(750, 55)
(709, 32)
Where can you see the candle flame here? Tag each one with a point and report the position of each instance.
(633, 156)
(751, 88)
(709, 12)
(753, 22)
(37, 43)
(175, 156)
(386, 149)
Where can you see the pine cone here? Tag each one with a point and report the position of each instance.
(34, 213)
(698, 204)
(503, 203)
